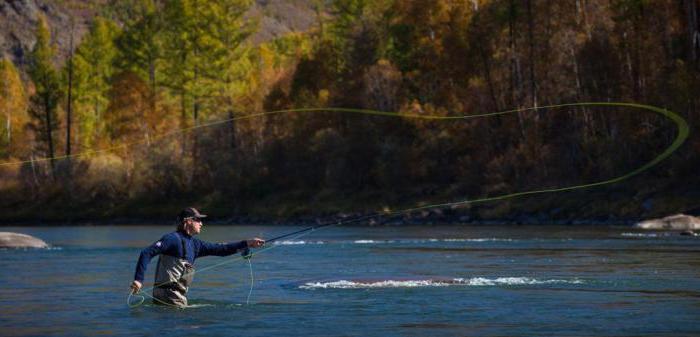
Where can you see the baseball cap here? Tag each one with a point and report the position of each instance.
(190, 212)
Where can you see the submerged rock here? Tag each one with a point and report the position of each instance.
(18, 240)
(674, 222)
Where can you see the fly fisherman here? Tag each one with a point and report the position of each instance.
(177, 251)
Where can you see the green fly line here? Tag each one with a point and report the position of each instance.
(682, 134)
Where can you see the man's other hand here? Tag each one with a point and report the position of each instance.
(135, 287)
(255, 243)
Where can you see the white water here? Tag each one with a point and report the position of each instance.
(476, 281)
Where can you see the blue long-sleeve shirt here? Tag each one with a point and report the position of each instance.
(171, 244)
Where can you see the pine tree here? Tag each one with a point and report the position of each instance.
(43, 104)
(140, 45)
(93, 72)
(233, 65)
(201, 44)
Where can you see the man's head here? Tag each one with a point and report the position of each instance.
(190, 221)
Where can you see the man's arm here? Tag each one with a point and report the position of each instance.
(220, 249)
(225, 249)
(158, 247)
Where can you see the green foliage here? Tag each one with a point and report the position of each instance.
(139, 46)
(93, 74)
(203, 43)
(43, 104)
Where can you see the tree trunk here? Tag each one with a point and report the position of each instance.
(49, 138)
(152, 80)
(581, 7)
(514, 66)
(183, 120)
(9, 129)
(195, 131)
(692, 13)
(511, 47)
(489, 80)
(69, 99)
(531, 38)
(195, 98)
(232, 129)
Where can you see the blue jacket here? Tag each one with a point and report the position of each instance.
(171, 244)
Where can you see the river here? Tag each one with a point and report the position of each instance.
(365, 281)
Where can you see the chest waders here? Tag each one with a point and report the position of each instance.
(173, 278)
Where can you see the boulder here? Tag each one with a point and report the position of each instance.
(18, 240)
(679, 222)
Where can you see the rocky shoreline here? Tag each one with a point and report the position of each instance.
(418, 218)
(352, 219)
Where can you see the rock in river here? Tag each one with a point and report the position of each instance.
(18, 240)
(680, 222)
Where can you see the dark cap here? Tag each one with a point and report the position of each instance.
(190, 212)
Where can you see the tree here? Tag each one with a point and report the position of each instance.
(202, 47)
(43, 104)
(69, 99)
(93, 72)
(233, 59)
(140, 46)
(129, 114)
(13, 104)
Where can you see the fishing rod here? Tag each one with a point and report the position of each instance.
(247, 254)
(332, 223)
(354, 220)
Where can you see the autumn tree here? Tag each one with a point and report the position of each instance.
(13, 105)
(129, 115)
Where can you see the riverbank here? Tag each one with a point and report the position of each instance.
(605, 206)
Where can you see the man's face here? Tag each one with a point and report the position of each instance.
(194, 225)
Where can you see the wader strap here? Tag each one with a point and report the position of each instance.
(184, 246)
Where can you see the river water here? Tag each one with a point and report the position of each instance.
(366, 281)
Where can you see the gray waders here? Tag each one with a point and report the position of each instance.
(173, 278)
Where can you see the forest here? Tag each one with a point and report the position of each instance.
(148, 111)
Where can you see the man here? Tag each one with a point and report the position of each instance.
(177, 251)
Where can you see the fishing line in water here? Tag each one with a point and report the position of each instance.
(681, 136)
(252, 278)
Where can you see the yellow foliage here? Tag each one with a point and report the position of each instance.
(323, 96)
(106, 176)
(13, 111)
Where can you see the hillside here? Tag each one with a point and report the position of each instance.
(18, 20)
(380, 106)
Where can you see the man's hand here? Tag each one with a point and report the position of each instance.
(135, 287)
(255, 243)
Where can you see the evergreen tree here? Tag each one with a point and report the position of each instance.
(93, 72)
(140, 45)
(233, 67)
(201, 47)
(43, 105)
